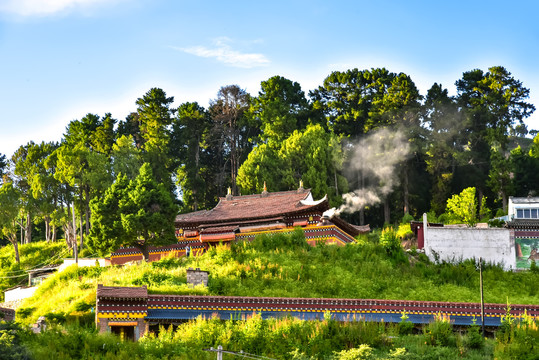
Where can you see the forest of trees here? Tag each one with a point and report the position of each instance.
(366, 138)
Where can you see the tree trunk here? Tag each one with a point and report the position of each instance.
(504, 202)
(81, 232)
(13, 240)
(387, 212)
(197, 175)
(144, 249)
(28, 229)
(47, 228)
(406, 192)
(336, 183)
(361, 183)
(87, 209)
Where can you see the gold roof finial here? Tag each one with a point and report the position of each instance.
(229, 194)
(265, 192)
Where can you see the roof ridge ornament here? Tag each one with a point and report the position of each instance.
(265, 191)
(229, 194)
(300, 189)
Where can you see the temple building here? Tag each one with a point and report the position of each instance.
(238, 218)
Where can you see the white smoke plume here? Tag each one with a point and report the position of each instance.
(374, 160)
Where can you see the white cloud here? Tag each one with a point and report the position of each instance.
(47, 7)
(225, 54)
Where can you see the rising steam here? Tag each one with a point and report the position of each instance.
(373, 161)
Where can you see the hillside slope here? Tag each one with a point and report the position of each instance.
(286, 266)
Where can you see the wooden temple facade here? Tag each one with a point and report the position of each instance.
(237, 218)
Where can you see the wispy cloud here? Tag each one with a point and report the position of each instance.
(47, 7)
(223, 52)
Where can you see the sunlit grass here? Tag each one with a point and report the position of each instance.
(282, 267)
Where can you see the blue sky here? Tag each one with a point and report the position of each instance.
(62, 59)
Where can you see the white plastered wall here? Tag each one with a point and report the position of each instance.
(494, 245)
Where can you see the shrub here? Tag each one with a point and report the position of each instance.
(407, 219)
(405, 326)
(363, 352)
(25, 312)
(390, 241)
(10, 342)
(439, 332)
(518, 340)
(474, 338)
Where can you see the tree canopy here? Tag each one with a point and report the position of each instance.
(121, 178)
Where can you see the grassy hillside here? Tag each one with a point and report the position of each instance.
(33, 255)
(286, 266)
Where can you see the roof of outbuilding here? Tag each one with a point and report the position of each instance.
(524, 200)
(523, 223)
(121, 292)
(250, 207)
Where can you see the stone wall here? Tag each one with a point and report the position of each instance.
(7, 314)
(196, 277)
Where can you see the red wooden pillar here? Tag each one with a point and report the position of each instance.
(420, 237)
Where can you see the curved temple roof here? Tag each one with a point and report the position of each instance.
(258, 206)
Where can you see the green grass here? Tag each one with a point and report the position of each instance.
(285, 338)
(285, 266)
(33, 255)
(277, 266)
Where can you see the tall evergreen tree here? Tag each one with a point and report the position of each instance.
(190, 134)
(231, 133)
(137, 213)
(493, 103)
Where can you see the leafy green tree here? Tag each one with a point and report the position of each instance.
(9, 213)
(23, 168)
(107, 232)
(94, 133)
(281, 107)
(3, 167)
(443, 121)
(263, 164)
(499, 178)
(311, 155)
(494, 102)
(45, 189)
(82, 161)
(342, 98)
(525, 169)
(126, 157)
(463, 207)
(356, 102)
(140, 213)
(534, 148)
(131, 127)
(87, 173)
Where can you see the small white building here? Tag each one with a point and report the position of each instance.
(523, 208)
